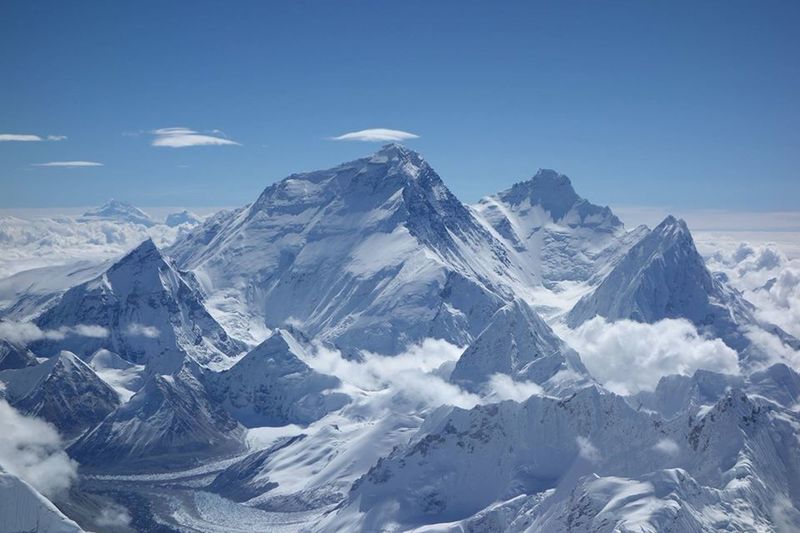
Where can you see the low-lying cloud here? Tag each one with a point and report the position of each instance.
(32, 450)
(26, 332)
(627, 356)
(376, 135)
(140, 330)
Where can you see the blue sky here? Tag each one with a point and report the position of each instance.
(692, 105)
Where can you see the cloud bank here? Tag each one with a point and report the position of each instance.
(376, 135)
(627, 357)
(32, 450)
(180, 137)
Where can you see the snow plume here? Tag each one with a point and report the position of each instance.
(627, 356)
(25, 332)
(408, 378)
(31, 449)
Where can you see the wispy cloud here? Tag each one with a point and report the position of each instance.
(25, 137)
(180, 137)
(376, 135)
(69, 164)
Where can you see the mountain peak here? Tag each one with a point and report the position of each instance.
(115, 210)
(548, 189)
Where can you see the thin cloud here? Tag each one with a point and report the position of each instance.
(376, 135)
(69, 164)
(24, 137)
(180, 137)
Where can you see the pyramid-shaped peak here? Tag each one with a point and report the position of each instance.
(549, 178)
(548, 189)
(672, 224)
(147, 249)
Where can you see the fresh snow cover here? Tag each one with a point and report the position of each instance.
(357, 350)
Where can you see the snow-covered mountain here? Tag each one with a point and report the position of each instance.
(170, 421)
(14, 355)
(399, 368)
(557, 234)
(141, 308)
(181, 217)
(23, 508)
(117, 211)
(663, 276)
(517, 342)
(272, 386)
(305, 253)
(63, 390)
(590, 462)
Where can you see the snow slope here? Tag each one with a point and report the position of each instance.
(22, 508)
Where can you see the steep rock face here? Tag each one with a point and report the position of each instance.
(169, 422)
(116, 211)
(557, 234)
(373, 254)
(64, 390)
(141, 308)
(13, 355)
(23, 508)
(663, 276)
(272, 386)
(517, 342)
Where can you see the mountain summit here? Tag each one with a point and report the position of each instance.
(116, 211)
(372, 254)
